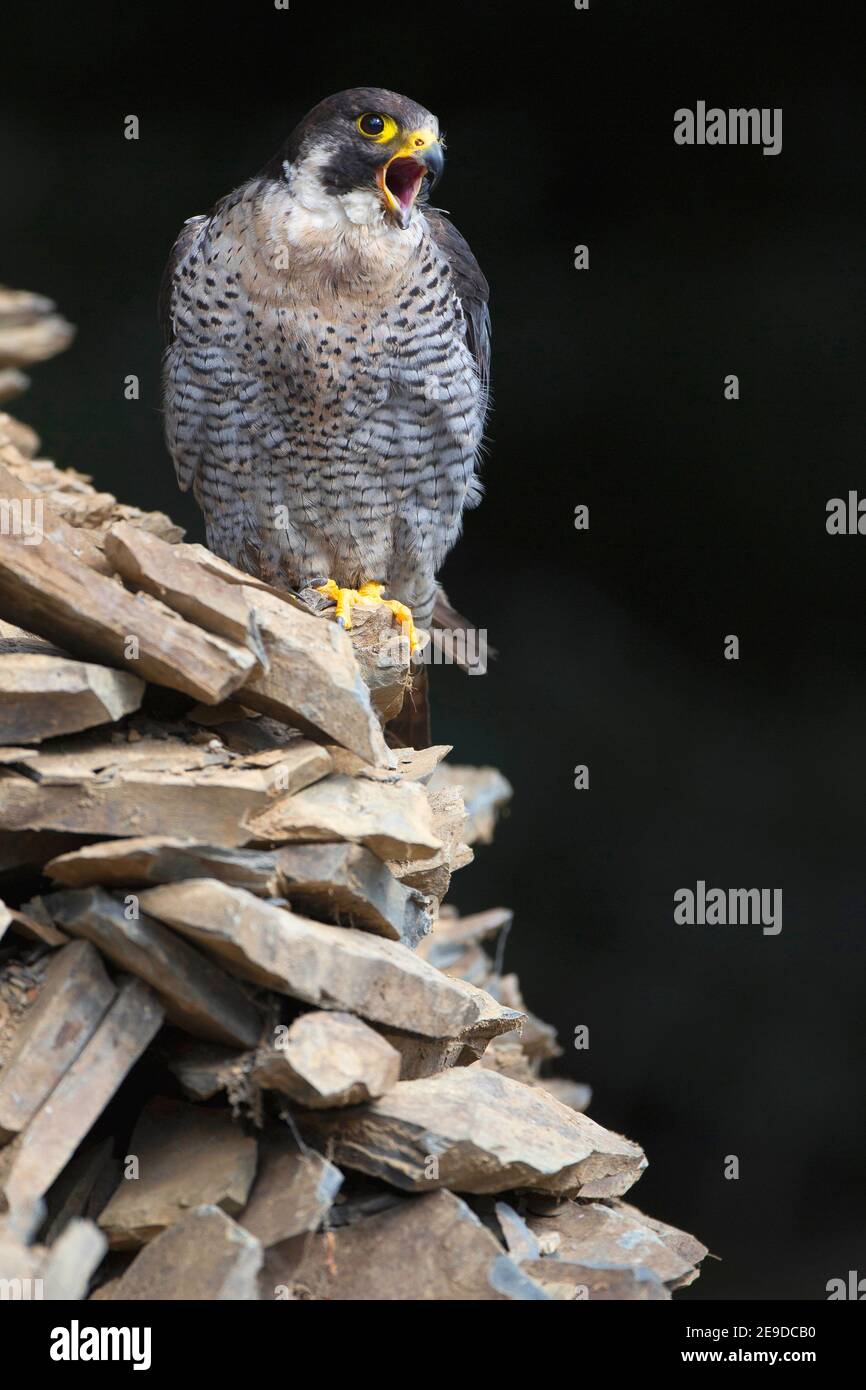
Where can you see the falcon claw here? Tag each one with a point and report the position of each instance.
(369, 596)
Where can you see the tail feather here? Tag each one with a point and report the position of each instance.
(411, 727)
(447, 619)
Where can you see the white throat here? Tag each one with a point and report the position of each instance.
(349, 231)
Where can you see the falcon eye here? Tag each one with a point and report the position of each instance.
(376, 127)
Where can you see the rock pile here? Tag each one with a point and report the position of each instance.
(245, 1051)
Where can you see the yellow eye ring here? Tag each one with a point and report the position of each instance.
(374, 126)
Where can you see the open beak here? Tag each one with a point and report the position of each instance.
(419, 158)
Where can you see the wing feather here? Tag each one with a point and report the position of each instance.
(472, 289)
(165, 306)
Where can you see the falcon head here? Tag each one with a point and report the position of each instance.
(373, 150)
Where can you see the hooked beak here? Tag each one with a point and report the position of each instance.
(420, 157)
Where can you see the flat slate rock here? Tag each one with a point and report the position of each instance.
(568, 1281)
(205, 1257)
(72, 1001)
(425, 1249)
(328, 1059)
(312, 678)
(520, 1241)
(147, 860)
(686, 1246)
(394, 820)
(198, 996)
(42, 696)
(140, 786)
(186, 1155)
(426, 1056)
(349, 885)
(485, 792)
(330, 967)
(596, 1233)
(47, 588)
(475, 1131)
(83, 1092)
(340, 883)
(169, 574)
(293, 1191)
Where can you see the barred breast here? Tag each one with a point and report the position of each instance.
(327, 416)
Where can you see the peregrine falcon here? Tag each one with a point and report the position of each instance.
(327, 362)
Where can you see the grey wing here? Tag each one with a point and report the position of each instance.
(218, 417)
(168, 285)
(185, 462)
(472, 289)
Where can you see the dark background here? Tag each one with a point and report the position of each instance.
(707, 516)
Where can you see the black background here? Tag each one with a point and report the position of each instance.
(707, 517)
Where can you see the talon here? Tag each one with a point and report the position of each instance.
(406, 621)
(369, 596)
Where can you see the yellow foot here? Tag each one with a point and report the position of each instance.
(369, 596)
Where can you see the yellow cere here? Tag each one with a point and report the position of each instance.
(416, 143)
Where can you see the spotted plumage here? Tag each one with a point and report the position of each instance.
(327, 359)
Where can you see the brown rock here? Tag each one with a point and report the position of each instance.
(149, 786)
(450, 947)
(331, 967)
(312, 679)
(31, 330)
(428, 1249)
(383, 659)
(47, 588)
(394, 821)
(474, 1131)
(293, 1191)
(594, 1233)
(567, 1281)
(43, 696)
(144, 861)
(36, 506)
(171, 575)
(685, 1246)
(433, 874)
(204, 1257)
(346, 884)
(71, 1003)
(85, 1089)
(328, 1059)
(197, 995)
(186, 1155)
(426, 1056)
(22, 851)
(484, 791)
